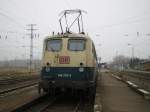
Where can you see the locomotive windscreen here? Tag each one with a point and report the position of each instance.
(54, 45)
(76, 44)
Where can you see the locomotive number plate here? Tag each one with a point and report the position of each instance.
(64, 59)
(64, 75)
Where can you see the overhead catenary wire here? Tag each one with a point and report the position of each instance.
(130, 20)
(23, 13)
(124, 22)
(11, 19)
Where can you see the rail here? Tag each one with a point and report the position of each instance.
(17, 88)
(137, 74)
(140, 78)
(56, 103)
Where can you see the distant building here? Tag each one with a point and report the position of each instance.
(102, 65)
(146, 65)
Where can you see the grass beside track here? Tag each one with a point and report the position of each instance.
(7, 75)
(16, 72)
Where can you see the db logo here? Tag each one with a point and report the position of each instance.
(64, 59)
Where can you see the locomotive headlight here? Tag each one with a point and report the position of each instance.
(47, 67)
(81, 69)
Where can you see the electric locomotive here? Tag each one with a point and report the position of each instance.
(69, 63)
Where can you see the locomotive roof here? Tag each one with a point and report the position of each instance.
(69, 35)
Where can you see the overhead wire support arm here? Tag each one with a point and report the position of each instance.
(79, 20)
(67, 29)
(82, 23)
(79, 24)
(74, 21)
(61, 26)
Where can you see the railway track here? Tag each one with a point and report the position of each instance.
(141, 75)
(11, 83)
(9, 90)
(7, 80)
(140, 78)
(136, 74)
(59, 103)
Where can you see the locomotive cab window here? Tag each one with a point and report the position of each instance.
(54, 45)
(76, 44)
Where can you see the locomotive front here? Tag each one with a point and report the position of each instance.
(69, 62)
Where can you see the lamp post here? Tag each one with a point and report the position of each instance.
(132, 53)
(100, 48)
(132, 50)
(99, 56)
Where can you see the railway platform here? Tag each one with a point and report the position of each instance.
(117, 96)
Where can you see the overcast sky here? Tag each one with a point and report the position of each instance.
(112, 24)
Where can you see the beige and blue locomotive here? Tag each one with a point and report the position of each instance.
(69, 62)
